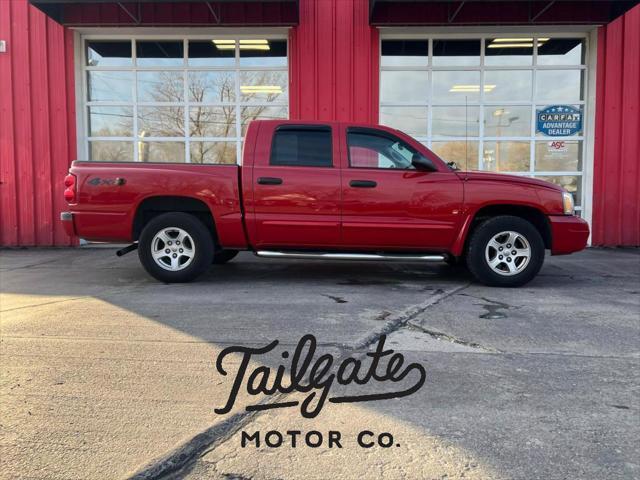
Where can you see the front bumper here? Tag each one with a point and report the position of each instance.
(67, 222)
(568, 234)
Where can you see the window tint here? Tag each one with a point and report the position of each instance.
(263, 53)
(108, 53)
(162, 53)
(561, 51)
(212, 53)
(509, 51)
(302, 147)
(397, 53)
(367, 150)
(456, 52)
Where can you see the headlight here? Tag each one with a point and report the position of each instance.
(567, 203)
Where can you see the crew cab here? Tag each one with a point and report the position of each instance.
(326, 190)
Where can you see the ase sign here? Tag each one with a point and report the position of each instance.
(559, 120)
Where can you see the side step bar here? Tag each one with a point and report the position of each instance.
(351, 256)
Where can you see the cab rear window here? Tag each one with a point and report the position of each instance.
(302, 147)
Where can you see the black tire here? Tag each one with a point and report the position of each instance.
(223, 256)
(202, 247)
(477, 252)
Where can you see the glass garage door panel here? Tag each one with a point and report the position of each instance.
(476, 101)
(180, 100)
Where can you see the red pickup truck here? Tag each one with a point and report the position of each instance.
(325, 190)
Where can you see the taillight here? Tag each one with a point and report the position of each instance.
(70, 188)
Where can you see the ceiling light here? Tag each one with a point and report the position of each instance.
(512, 45)
(255, 47)
(518, 40)
(243, 47)
(257, 44)
(511, 40)
(470, 88)
(260, 88)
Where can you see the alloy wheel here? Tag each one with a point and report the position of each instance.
(508, 253)
(173, 249)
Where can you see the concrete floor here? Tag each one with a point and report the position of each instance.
(107, 373)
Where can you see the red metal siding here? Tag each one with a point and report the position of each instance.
(333, 75)
(37, 115)
(616, 189)
(334, 62)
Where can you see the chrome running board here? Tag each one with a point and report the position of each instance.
(351, 256)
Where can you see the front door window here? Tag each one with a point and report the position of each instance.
(369, 150)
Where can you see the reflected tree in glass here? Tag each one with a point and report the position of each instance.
(465, 154)
(506, 156)
(108, 151)
(211, 87)
(162, 121)
(110, 121)
(263, 86)
(213, 152)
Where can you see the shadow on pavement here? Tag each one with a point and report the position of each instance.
(549, 380)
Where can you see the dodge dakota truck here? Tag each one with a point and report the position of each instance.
(326, 190)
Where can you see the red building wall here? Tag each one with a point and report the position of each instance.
(37, 125)
(333, 74)
(616, 187)
(334, 62)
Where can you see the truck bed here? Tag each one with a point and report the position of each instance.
(110, 194)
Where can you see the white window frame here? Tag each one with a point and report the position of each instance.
(160, 34)
(477, 33)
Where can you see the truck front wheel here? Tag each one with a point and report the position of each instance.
(505, 251)
(175, 247)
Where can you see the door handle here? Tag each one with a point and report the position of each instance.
(363, 184)
(269, 181)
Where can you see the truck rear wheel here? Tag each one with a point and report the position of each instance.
(175, 247)
(505, 251)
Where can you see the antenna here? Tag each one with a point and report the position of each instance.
(466, 133)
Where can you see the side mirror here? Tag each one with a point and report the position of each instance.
(422, 163)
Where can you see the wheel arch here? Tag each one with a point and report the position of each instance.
(151, 207)
(533, 215)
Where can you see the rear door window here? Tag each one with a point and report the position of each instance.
(302, 147)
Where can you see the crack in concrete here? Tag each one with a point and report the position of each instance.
(31, 265)
(334, 298)
(183, 458)
(397, 321)
(451, 338)
(493, 307)
(43, 304)
(104, 295)
(186, 454)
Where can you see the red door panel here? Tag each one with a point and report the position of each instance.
(302, 211)
(296, 205)
(396, 207)
(416, 210)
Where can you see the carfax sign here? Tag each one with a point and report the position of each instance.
(559, 121)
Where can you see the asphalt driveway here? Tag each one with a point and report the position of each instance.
(108, 374)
